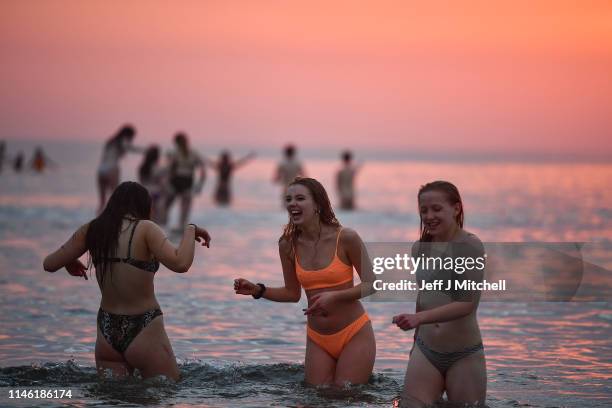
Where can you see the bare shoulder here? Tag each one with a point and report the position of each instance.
(149, 226)
(349, 237)
(83, 228)
(471, 240)
(81, 232)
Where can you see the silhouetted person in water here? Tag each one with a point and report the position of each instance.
(40, 161)
(225, 167)
(18, 162)
(153, 176)
(183, 163)
(288, 169)
(345, 181)
(108, 170)
(2, 154)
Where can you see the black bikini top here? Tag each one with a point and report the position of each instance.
(149, 266)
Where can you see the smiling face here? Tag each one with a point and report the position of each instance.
(438, 215)
(300, 204)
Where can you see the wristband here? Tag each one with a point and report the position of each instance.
(263, 290)
(194, 226)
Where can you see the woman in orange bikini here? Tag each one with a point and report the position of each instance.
(319, 255)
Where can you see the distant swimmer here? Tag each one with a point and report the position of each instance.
(2, 154)
(18, 162)
(153, 176)
(126, 248)
(225, 167)
(319, 255)
(183, 163)
(288, 169)
(40, 161)
(345, 181)
(108, 170)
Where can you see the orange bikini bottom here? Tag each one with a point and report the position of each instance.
(335, 343)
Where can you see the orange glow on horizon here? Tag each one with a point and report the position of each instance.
(456, 77)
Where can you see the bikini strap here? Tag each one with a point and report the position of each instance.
(337, 241)
(130, 242)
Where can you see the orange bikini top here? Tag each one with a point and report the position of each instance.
(334, 274)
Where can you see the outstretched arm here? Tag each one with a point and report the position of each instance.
(291, 292)
(210, 163)
(176, 259)
(241, 162)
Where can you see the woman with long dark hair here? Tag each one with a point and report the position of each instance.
(153, 177)
(447, 354)
(126, 248)
(108, 170)
(318, 254)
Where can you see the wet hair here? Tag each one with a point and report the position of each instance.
(181, 141)
(129, 199)
(289, 151)
(452, 196)
(326, 213)
(127, 132)
(145, 169)
(347, 156)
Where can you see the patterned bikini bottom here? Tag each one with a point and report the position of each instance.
(120, 330)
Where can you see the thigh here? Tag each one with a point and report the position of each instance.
(151, 353)
(319, 366)
(107, 358)
(186, 197)
(356, 361)
(466, 380)
(423, 381)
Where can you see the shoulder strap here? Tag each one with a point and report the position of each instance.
(338, 240)
(130, 242)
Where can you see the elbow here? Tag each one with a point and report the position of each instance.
(296, 297)
(182, 267)
(48, 267)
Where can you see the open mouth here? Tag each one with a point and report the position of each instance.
(295, 213)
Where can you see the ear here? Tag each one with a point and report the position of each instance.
(457, 209)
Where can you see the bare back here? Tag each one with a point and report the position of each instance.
(128, 289)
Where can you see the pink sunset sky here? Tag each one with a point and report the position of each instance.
(520, 77)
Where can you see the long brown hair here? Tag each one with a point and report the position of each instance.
(102, 240)
(453, 197)
(326, 213)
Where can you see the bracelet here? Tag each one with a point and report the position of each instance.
(260, 294)
(194, 226)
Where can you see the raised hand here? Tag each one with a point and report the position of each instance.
(201, 235)
(245, 287)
